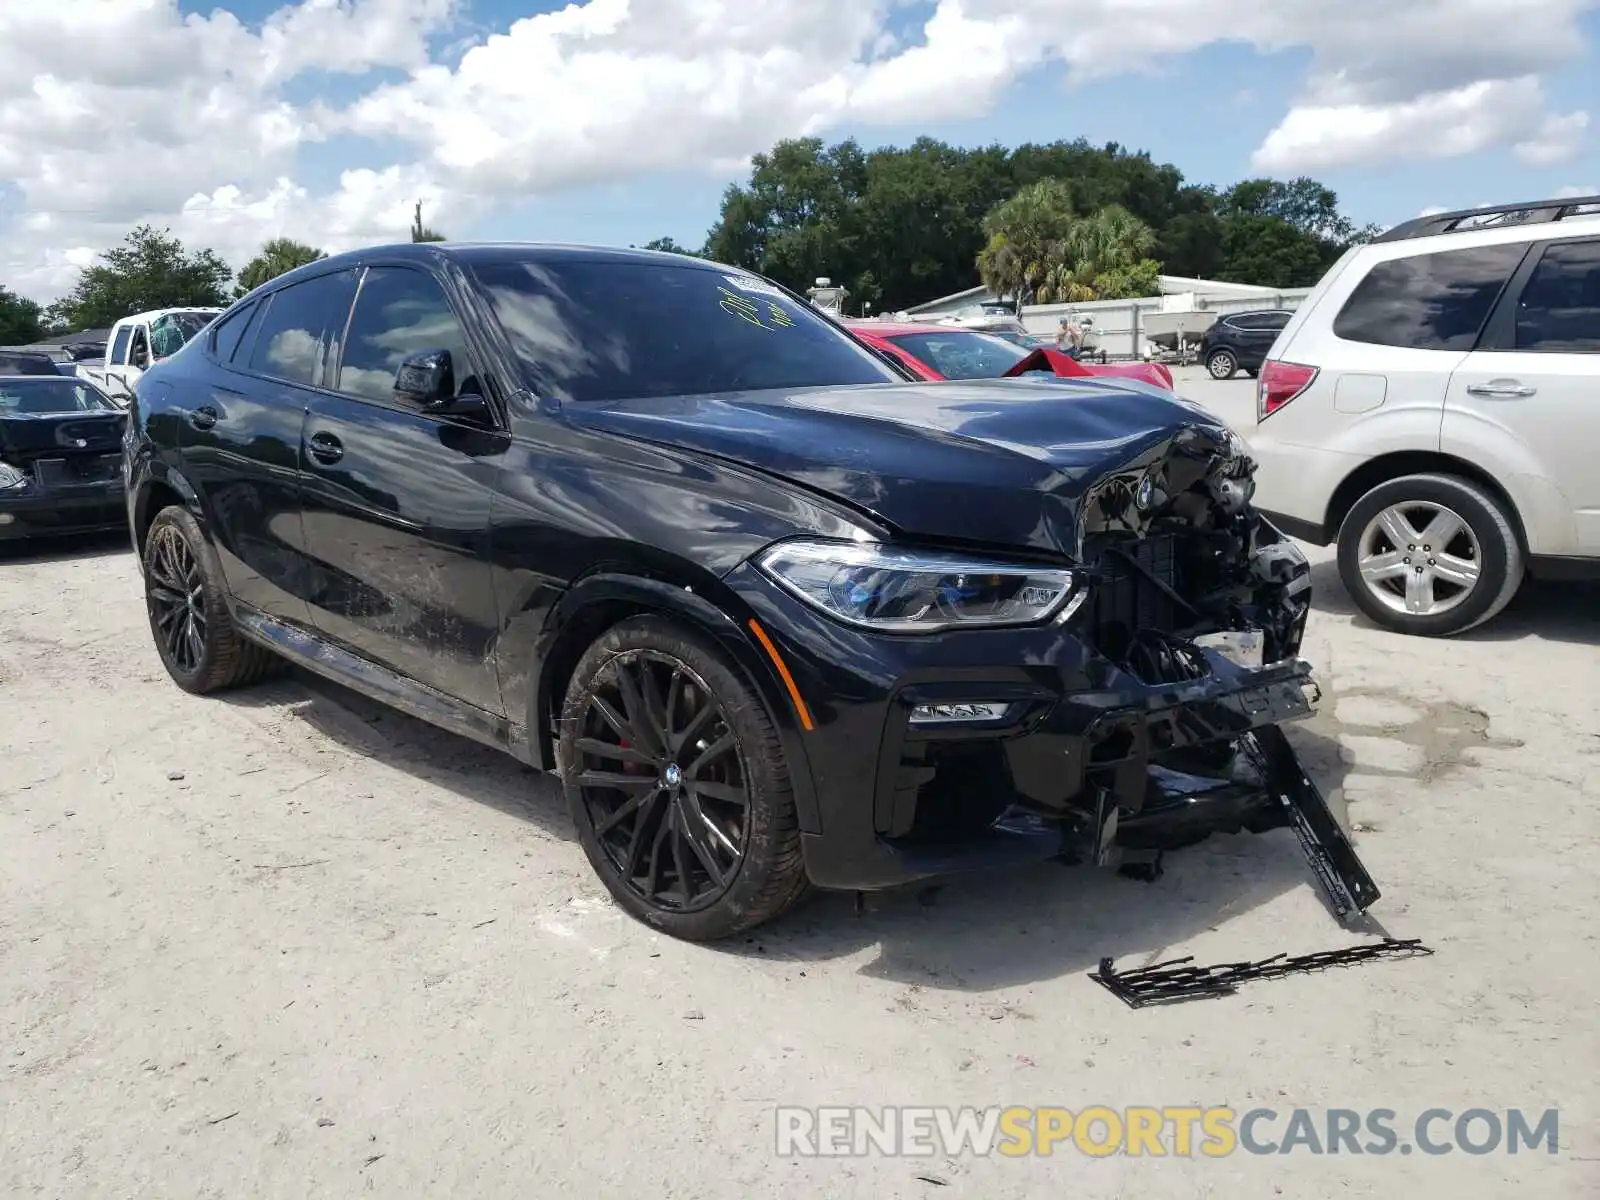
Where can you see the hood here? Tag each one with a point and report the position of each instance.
(1065, 366)
(1045, 359)
(26, 436)
(1036, 466)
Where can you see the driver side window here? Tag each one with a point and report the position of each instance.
(139, 348)
(399, 311)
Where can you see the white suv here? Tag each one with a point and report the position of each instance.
(1434, 407)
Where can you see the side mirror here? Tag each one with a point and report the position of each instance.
(426, 379)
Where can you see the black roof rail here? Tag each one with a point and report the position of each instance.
(1496, 216)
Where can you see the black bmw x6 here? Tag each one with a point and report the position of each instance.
(775, 614)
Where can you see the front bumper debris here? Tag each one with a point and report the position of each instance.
(1175, 981)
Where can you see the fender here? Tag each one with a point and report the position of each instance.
(724, 625)
(165, 475)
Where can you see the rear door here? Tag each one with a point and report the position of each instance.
(396, 501)
(242, 434)
(1254, 334)
(1531, 390)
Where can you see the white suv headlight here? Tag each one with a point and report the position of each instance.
(902, 591)
(10, 477)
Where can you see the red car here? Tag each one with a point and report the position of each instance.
(936, 352)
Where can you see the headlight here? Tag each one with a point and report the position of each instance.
(10, 477)
(900, 591)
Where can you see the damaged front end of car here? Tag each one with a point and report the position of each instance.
(1189, 618)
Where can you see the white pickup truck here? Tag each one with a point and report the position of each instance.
(135, 342)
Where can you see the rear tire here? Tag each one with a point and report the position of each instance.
(677, 784)
(1430, 555)
(186, 599)
(1222, 364)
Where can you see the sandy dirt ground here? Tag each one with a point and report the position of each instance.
(286, 943)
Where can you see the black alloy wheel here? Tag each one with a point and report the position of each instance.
(660, 770)
(177, 599)
(187, 604)
(676, 782)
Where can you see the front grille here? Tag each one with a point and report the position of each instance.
(1123, 600)
(78, 470)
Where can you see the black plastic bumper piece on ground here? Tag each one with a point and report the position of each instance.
(1333, 860)
(1176, 980)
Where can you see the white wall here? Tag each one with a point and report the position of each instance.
(1114, 320)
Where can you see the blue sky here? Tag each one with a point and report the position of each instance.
(1205, 111)
(608, 134)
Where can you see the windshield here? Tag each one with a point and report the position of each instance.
(586, 329)
(170, 331)
(47, 397)
(962, 354)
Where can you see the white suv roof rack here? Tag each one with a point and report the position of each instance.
(1495, 216)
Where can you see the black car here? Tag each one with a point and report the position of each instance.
(1240, 341)
(774, 614)
(60, 457)
(26, 362)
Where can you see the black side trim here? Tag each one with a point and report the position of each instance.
(381, 684)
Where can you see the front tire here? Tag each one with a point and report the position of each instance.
(1222, 364)
(676, 781)
(1429, 555)
(186, 600)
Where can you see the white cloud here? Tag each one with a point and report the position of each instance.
(1557, 139)
(124, 110)
(1572, 192)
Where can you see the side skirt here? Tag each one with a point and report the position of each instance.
(381, 684)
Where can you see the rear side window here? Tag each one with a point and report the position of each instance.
(302, 324)
(1559, 310)
(586, 330)
(231, 329)
(119, 346)
(1430, 301)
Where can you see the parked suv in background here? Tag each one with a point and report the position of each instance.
(1434, 407)
(1239, 341)
(775, 614)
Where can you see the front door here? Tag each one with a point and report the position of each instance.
(396, 501)
(1532, 387)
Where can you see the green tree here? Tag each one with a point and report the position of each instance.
(277, 257)
(666, 245)
(901, 225)
(1271, 252)
(1028, 235)
(151, 269)
(420, 232)
(1106, 248)
(20, 319)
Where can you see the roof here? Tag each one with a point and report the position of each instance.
(484, 252)
(969, 293)
(1496, 216)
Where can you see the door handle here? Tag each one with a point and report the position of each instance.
(203, 417)
(1500, 389)
(324, 447)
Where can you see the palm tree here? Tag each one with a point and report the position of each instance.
(278, 256)
(1024, 235)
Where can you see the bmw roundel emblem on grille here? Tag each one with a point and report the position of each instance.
(1146, 494)
(79, 443)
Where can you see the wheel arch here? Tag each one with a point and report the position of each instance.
(1416, 462)
(156, 493)
(604, 599)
